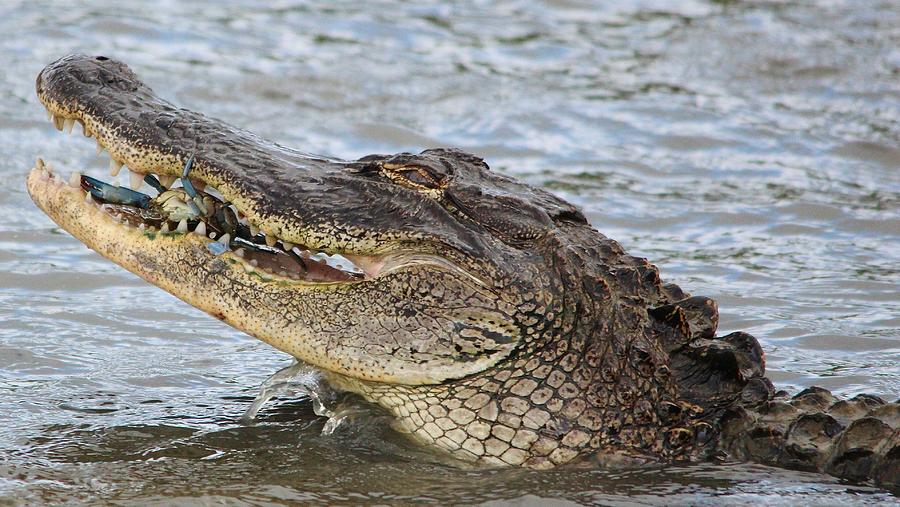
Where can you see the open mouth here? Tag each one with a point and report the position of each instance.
(174, 206)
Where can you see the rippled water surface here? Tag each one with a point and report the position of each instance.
(750, 149)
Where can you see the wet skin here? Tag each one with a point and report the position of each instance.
(486, 315)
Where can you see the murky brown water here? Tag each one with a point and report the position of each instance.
(751, 149)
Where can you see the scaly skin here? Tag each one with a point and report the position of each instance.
(495, 322)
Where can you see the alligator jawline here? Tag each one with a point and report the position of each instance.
(287, 263)
(248, 244)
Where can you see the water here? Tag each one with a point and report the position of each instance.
(750, 149)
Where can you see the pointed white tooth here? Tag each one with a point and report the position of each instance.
(254, 230)
(287, 245)
(254, 262)
(137, 179)
(88, 198)
(141, 227)
(282, 273)
(248, 268)
(75, 180)
(68, 124)
(100, 147)
(225, 239)
(212, 234)
(270, 240)
(164, 227)
(239, 252)
(49, 115)
(182, 226)
(58, 122)
(114, 167)
(85, 130)
(166, 180)
(200, 229)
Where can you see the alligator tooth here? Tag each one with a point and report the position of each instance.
(287, 245)
(137, 179)
(282, 273)
(167, 180)
(270, 240)
(164, 227)
(49, 115)
(58, 122)
(254, 262)
(225, 239)
(100, 147)
(248, 268)
(182, 226)
(200, 229)
(141, 226)
(68, 124)
(239, 252)
(114, 167)
(212, 235)
(85, 130)
(88, 198)
(253, 230)
(75, 180)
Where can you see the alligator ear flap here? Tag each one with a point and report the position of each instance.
(510, 218)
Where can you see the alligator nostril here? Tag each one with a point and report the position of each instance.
(101, 58)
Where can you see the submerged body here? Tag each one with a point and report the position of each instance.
(487, 316)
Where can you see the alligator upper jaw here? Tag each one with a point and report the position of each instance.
(254, 246)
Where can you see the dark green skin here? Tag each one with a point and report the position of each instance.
(606, 361)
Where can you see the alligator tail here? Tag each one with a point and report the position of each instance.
(856, 439)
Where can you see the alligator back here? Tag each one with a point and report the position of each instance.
(856, 439)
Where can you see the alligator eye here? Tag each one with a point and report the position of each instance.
(419, 178)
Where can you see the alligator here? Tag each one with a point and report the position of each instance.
(488, 317)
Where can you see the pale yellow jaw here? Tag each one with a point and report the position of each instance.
(176, 262)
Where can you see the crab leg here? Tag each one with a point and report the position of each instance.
(153, 182)
(113, 194)
(196, 202)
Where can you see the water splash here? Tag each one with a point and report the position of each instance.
(298, 379)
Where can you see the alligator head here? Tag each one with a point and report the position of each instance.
(485, 314)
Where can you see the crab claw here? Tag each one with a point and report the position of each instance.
(105, 192)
